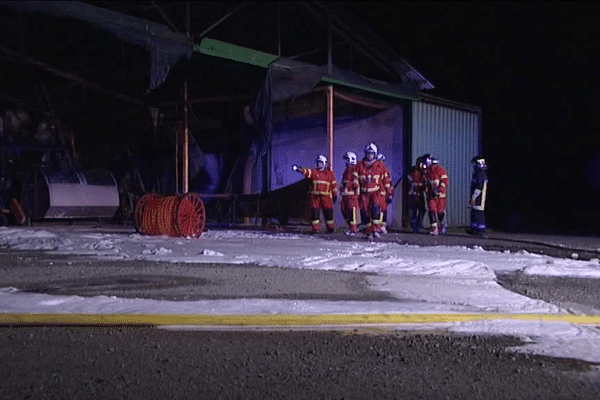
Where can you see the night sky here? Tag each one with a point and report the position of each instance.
(533, 69)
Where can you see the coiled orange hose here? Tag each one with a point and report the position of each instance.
(170, 215)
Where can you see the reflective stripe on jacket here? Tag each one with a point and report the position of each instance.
(370, 176)
(350, 185)
(323, 182)
(438, 180)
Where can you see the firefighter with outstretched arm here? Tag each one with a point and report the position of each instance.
(323, 193)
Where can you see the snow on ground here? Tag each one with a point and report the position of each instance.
(423, 279)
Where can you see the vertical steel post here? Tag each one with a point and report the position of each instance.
(329, 45)
(186, 130)
(186, 147)
(177, 146)
(330, 116)
(279, 28)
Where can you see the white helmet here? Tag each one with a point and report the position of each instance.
(371, 148)
(479, 162)
(350, 158)
(380, 157)
(322, 158)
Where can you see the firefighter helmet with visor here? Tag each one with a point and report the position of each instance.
(350, 158)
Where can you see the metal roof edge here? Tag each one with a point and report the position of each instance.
(369, 89)
(429, 98)
(350, 79)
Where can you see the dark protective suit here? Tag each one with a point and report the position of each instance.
(416, 197)
(479, 183)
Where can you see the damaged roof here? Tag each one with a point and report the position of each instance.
(129, 47)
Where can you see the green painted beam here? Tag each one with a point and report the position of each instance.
(230, 51)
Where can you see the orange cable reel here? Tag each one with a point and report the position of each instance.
(178, 216)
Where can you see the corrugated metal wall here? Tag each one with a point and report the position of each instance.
(452, 135)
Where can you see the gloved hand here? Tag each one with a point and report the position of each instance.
(295, 167)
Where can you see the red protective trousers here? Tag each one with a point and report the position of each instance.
(351, 211)
(372, 205)
(437, 205)
(320, 202)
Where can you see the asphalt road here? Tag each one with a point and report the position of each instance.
(146, 362)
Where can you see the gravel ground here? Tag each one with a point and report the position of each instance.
(144, 363)
(112, 362)
(577, 295)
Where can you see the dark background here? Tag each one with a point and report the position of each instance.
(532, 67)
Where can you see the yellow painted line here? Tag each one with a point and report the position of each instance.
(277, 319)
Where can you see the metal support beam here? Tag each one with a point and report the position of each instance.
(164, 16)
(348, 35)
(317, 50)
(352, 32)
(279, 28)
(329, 45)
(186, 122)
(185, 179)
(22, 59)
(188, 19)
(210, 28)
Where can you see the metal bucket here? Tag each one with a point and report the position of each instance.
(69, 193)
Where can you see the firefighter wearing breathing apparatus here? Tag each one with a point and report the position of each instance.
(371, 173)
(436, 189)
(479, 183)
(350, 193)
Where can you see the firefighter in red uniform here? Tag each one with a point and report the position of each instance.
(350, 193)
(323, 194)
(387, 190)
(370, 176)
(436, 189)
(416, 195)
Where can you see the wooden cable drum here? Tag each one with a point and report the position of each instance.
(170, 215)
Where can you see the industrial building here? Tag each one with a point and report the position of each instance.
(215, 98)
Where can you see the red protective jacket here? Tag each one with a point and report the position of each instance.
(323, 182)
(350, 185)
(416, 181)
(437, 178)
(387, 187)
(371, 177)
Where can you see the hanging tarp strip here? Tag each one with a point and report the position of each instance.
(165, 46)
